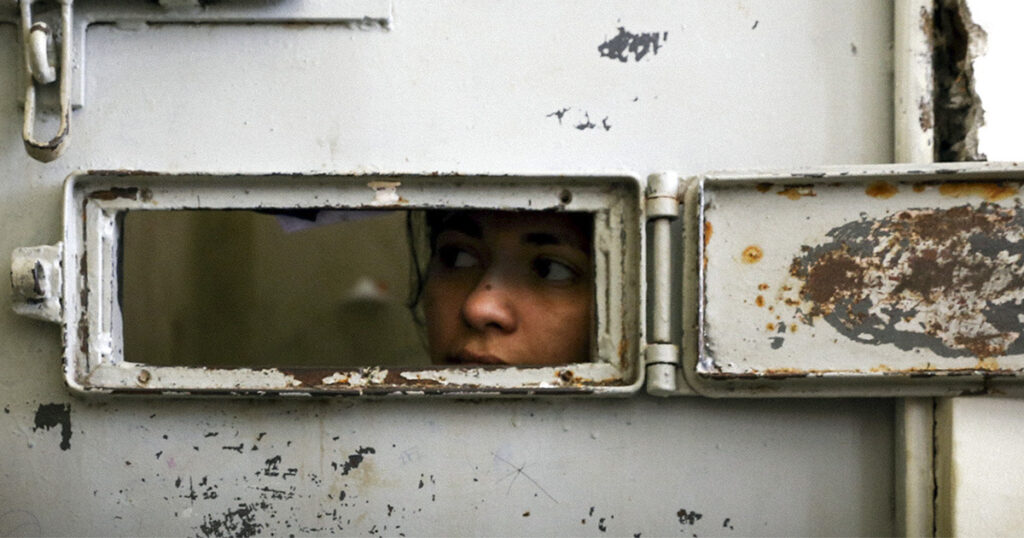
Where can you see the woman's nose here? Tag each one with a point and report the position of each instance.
(490, 305)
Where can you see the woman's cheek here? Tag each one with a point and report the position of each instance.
(437, 311)
(565, 325)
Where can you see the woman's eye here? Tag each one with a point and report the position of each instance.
(554, 271)
(456, 257)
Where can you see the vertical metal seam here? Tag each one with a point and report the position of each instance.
(914, 141)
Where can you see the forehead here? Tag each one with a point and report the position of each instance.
(574, 229)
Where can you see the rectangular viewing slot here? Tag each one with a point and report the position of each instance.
(338, 284)
(357, 288)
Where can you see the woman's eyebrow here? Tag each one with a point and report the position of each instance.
(545, 238)
(463, 224)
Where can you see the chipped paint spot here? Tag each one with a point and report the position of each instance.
(52, 415)
(958, 111)
(354, 460)
(881, 189)
(558, 114)
(585, 123)
(797, 192)
(626, 43)
(128, 193)
(688, 517)
(385, 192)
(752, 254)
(925, 116)
(948, 280)
(238, 523)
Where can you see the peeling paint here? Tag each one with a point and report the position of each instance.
(688, 517)
(957, 41)
(354, 460)
(796, 192)
(560, 113)
(52, 415)
(625, 43)
(949, 280)
(236, 523)
(881, 189)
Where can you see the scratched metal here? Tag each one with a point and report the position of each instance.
(461, 86)
(874, 276)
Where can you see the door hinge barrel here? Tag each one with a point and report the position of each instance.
(662, 196)
(661, 355)
(662, 361)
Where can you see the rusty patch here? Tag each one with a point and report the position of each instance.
(763, 187)
(752, 254)
(924, 108)
(991, 192)
(759, 301)
(83, 333)
(707, 239)
(128, 193)
(797, 192)
(881, 189)
(927, 23)
(948, 280)
(919, 187)
(313, 378)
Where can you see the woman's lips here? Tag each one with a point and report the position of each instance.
(467, 357)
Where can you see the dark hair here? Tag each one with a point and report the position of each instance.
(415, 221)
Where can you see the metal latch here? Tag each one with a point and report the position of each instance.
(36, 280)
(662, 356)
(41, 69)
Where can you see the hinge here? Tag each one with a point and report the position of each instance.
(662, 356)
(54, 42)
(36, 281)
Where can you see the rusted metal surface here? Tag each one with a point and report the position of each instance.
(903, 277)
(958, 111)
(948, 280)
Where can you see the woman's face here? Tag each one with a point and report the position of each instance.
(509, 288)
